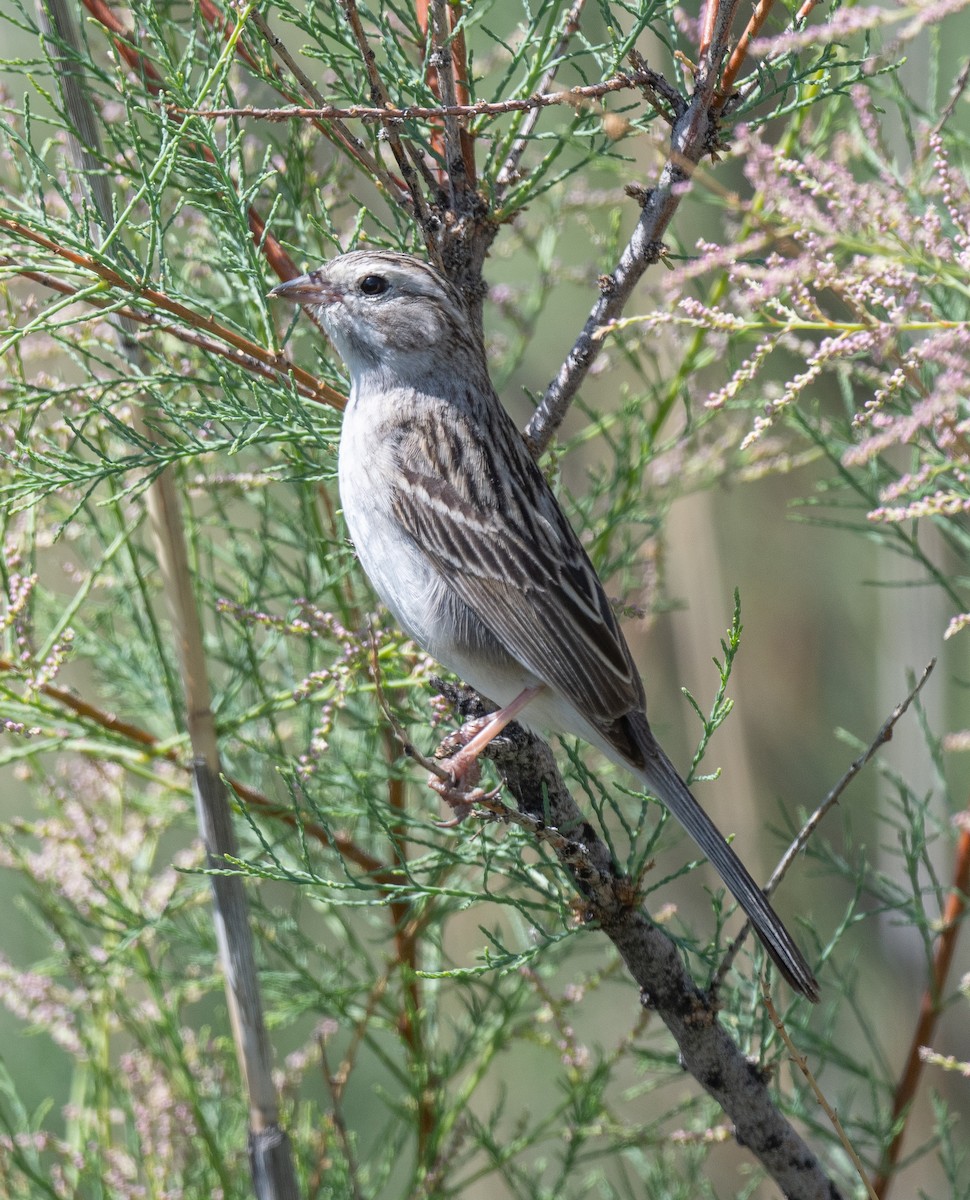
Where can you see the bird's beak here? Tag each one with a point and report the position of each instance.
(314, 288)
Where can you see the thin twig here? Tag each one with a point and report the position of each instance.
(405, 931)
(418, 112)
(707, 28)
(802, 1063)
(346, 1069)
(510, 168)
(448, 71)
(931, 1006)
(405, 927)
(409, 165)
(335, 130)
(114, 279)
(882, 737)
(260, 361)
(955, 93)
(694, 134)
(422, 15)
(805, 10)
(408, 748)
(153, 747)
(280, 49)
(265, 242)
(335, 1085)
(808, 829)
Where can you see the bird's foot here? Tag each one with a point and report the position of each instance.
(459, 767)
(457, 772)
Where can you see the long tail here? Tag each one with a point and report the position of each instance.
(660, 777)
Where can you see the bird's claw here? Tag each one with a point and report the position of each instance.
(462, 802)
(455, 778)
(457, 786)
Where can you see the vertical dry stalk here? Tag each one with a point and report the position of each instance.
(270, 1158)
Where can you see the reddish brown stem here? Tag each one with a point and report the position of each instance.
(459, 64)
(194, 320)
(707, 29)
(266, 363)
(929, 1011)
(459, 68)
(422, 12)
(751, 31)
(255, 799)
(276, 256)
(804, 11)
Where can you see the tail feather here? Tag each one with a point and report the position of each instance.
(661, 777)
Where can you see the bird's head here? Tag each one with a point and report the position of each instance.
(384, 310)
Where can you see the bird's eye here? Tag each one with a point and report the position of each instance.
(373, 285)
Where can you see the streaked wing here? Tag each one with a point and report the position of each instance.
(502, 543)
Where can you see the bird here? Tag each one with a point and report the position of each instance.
(466, 544)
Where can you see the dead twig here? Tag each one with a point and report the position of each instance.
(694, 134)
(417, 112)
(808, 829)
(801, 1063)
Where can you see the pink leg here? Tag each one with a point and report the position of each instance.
(459, 795)
(493, 725)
